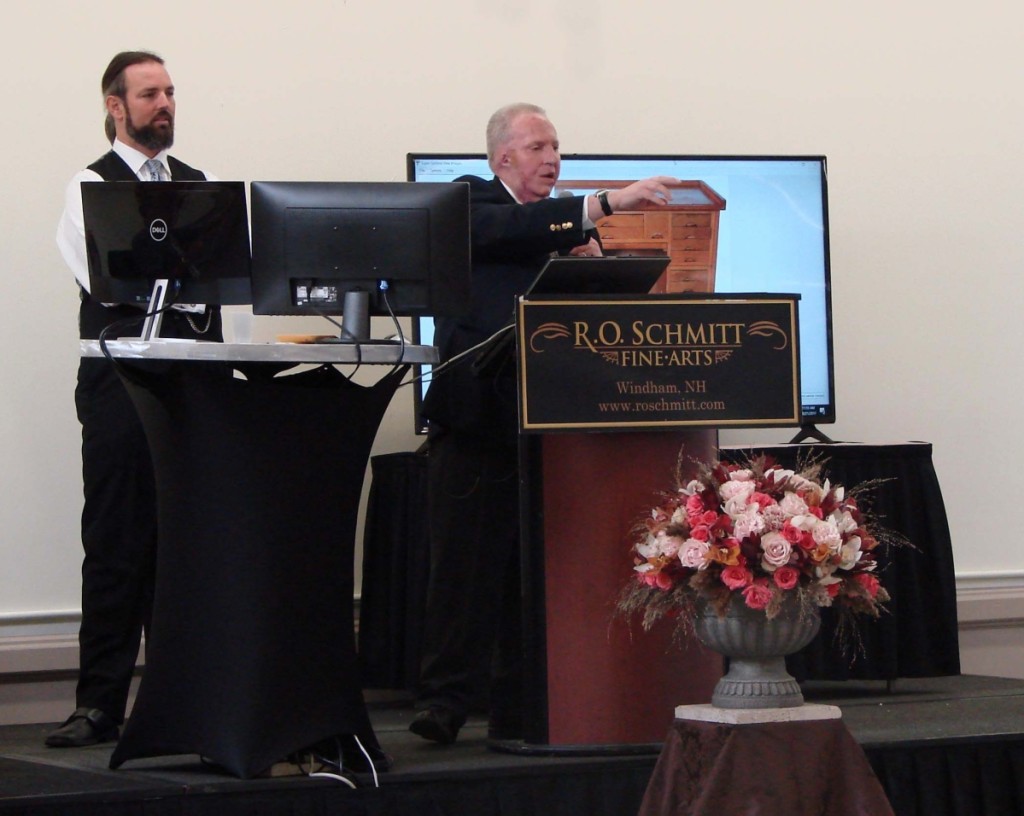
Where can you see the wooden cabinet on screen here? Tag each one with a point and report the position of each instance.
(685, 229)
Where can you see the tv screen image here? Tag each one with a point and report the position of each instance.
(192, 233)
(403, 248)
(770, 233)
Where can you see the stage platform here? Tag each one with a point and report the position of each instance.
(951, 745)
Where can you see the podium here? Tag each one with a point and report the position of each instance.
(250, 655)
(596, 682)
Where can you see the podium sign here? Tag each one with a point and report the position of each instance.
(658, 361)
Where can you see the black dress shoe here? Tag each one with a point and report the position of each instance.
(437, 724)
(87, 726)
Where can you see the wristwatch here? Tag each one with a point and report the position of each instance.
(602, 199)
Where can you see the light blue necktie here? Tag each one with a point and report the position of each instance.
(155, 169)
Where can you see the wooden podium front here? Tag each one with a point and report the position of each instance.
(595, 680)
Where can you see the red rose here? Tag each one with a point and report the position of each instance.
(736, 577)
(758, 595)
(792, 534)
(787, 577)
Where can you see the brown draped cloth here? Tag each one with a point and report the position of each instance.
(810, 768)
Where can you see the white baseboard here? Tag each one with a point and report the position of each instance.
(38, 667)
(990, 614)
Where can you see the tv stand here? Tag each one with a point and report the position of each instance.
(810, 431)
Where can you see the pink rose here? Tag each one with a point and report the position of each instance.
(787, 577)
(775, 550)
(736, 577)
(693, 553)
(758, 595)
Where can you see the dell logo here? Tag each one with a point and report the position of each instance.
(158, 229)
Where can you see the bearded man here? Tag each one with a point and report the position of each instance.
(119, 514)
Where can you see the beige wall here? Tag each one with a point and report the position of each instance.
(919, 111)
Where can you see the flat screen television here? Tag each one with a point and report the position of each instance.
(389, 248)
(195, 234)
(772, 234)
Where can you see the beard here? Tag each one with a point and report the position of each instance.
(149, 136)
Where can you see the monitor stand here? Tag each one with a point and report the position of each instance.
(355, 320)
(155, 312)
(810, 431)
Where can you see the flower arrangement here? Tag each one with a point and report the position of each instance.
(759, 532)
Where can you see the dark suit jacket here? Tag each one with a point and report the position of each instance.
(510, 244)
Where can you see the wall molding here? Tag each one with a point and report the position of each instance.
(990, 600)
(47, 641)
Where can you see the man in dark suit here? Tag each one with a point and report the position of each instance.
(473, 605)
(119, 515)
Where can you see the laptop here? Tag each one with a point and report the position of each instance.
(606, 275)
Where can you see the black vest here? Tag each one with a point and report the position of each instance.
(112, 167)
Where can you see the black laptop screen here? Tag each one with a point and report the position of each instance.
(195, 233)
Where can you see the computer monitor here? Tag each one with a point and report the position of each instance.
(194, 234)
(772, 234)
(391, 248)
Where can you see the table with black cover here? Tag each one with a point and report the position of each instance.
(917, 636)
(250, 656)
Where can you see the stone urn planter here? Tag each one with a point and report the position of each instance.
(757, 649)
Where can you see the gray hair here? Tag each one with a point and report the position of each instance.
(500, 125)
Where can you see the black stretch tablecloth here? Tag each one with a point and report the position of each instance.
(251, 652)
(918, 636)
